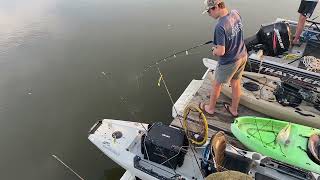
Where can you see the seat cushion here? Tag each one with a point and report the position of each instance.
(314, 147)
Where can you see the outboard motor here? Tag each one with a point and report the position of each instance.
(275, 38)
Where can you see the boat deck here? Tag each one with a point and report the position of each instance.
(199, 91)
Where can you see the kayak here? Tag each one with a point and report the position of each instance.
(280, 140)
(263, 100)
(122, 141)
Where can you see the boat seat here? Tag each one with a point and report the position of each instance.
(314, 147)
(218, 147)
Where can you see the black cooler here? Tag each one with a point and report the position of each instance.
(162, 143)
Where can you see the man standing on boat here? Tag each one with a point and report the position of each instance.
(229, 46)
(306, 9)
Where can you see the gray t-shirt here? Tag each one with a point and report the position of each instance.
(228, 32)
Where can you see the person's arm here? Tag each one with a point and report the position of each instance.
(218, 50)
(220, 40)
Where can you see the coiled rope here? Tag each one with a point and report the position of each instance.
(311, 63)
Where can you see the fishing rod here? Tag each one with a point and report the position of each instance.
(65, 165)
(315, 18)
(186, 51)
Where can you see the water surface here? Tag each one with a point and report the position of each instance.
(64, 64)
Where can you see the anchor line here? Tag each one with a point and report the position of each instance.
(169, 94)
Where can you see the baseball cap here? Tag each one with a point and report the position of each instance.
(210, 4)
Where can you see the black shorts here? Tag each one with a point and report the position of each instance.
(306, 8)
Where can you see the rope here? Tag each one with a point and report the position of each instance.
(311, 63)
(204, 124)
(291, 56)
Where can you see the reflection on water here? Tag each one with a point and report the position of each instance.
(22, 21)
(65, 64)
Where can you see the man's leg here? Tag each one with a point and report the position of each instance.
(300, 26)
(215, 93)
(236, 94)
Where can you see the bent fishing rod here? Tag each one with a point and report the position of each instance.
(186, 51)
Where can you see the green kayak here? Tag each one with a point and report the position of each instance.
(280, 140)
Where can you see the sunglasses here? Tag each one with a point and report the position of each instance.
(213, 8)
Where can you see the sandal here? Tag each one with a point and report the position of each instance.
(227, 107)
(202, 108)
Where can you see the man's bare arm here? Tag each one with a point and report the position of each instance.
(218, 50)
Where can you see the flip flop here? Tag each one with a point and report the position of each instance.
(201, 106)
(227, 107)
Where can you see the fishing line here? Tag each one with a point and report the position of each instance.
(186, 51)
(157, 63)
(161, 79)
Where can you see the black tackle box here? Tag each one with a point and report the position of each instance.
(162, 145)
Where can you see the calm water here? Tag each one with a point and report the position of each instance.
(65, 64)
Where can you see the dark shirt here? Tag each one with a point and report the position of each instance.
(229, 33)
